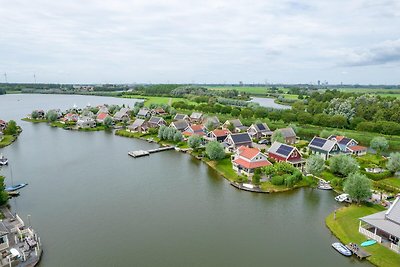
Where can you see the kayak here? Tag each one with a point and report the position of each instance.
(368, 243)
(342, 249)
(15, 187)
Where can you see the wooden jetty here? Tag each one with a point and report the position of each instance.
(358, 251)
(242, 187)
(142, 153)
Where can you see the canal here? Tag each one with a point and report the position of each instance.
(93, 205)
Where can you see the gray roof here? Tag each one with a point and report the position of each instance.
(196, 115)
(122, 112)
(155, 119)
(261, 127)
(179, 116)
(388, 221)
(143, 112)
(180, 124)
(322, 143)
(137, 123)
(288, 132)
(236, 122)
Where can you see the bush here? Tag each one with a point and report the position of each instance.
(277, 180)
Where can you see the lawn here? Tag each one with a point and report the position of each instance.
(394, 181)
(345, 228)
(224, 167)
(159, 99)
(7, 140)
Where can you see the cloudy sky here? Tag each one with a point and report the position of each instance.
(213, 41)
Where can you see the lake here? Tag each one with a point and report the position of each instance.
(269, 103)
(93, 205)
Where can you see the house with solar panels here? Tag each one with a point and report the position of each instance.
(348, 145)
(217, 135)
(236, 140)
(324, 147)
(285, 153)
(180, 116)
(259, 131)
(247, 159)
(156, 122)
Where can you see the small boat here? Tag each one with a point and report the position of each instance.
(15, 187)
(324, 186)
(342, 249)
(13, 193)
(343, 198)
(3, 160)
(368, 243)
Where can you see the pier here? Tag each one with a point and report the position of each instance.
(142, 153)
(358, 251)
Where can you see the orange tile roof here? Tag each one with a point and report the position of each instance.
(248, 152)
(102, 116)
(219, 133)
(339, 138)
(196, 127)
(357, 148)
(252, 165)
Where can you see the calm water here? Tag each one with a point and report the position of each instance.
(93, 205)
(268, 102)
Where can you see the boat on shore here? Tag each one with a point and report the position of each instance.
(3, 160)
(368, 243)
(342, 249)
(324, 186)
(15, 187)
(343, 198)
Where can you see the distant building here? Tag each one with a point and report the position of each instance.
(349, 145)
(236, 124)
(259, 130)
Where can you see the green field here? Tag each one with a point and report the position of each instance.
(159, 99)
(394, 181)
(261, 90)
(7, 140)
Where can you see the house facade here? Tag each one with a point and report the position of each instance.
(86, 122)
(349, 145)
(259, 131)
(144, 113)
(236, 140)
(179, 125)
(180, 116)
(195, 129)
(139, 125)
(156, 122)
(247, 159)
(196, 117)
(286, 153)
(384, 226)
(323, 147)
(235, 124)
(218, 135)
(289, 135)
(101, 117)
(3, 125)
(122, 115)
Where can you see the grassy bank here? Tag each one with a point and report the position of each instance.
(345, 228)
(7, 140)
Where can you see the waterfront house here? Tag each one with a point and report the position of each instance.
(180, 116)
(196, 117)
(122, 114)
(86, 122)
(217, 135)
(289, 135)
(102, 109)
(139, 125)
(179, 125)
(349, 145)
(259, 130)
(285, 153)
(101, 117)
(213, 121)
(247, 159)
(235, 140)
(383, 226)
(41, 114)
(144, 113)
(195, 129)
(156, 122)
(236, 126)
(323, 147)
(3, 125)
(70, 117)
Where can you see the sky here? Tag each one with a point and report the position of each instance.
(208, 41)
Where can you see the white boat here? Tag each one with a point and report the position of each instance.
(324, 186)
(343, 198)
(3, 160)
(342, 249)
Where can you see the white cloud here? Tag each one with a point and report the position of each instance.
(205, 41)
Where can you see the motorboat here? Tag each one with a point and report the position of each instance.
(3, 160)
(15, 187)
(324, 186)
(343, 198)
(342, 249)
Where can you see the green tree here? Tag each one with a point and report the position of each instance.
(393, 163)
(51, 116)
(278, 137)
(343, 165)
(380, 144)
(358, 186)
(35, 114)
(195, 141)
(235, 112)
(256, 179)
(11, 128)
(161, 132)
(315, 165)
(3, 194)
(108, 121)
(246, 113)
(210, 125)
(215, 151)
(178, 136)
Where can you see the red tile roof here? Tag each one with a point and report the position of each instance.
(357, 148)
(197, 128)
(252, 165)
(248, 152)
(219, 133)
(102, 116)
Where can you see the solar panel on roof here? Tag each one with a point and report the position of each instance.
(261, 127)
(318, 142)
(344, 141)
(284, 150)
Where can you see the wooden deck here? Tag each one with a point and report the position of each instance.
(358, 251)
(142, 153)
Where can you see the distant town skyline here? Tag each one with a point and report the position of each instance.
(354, 42)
